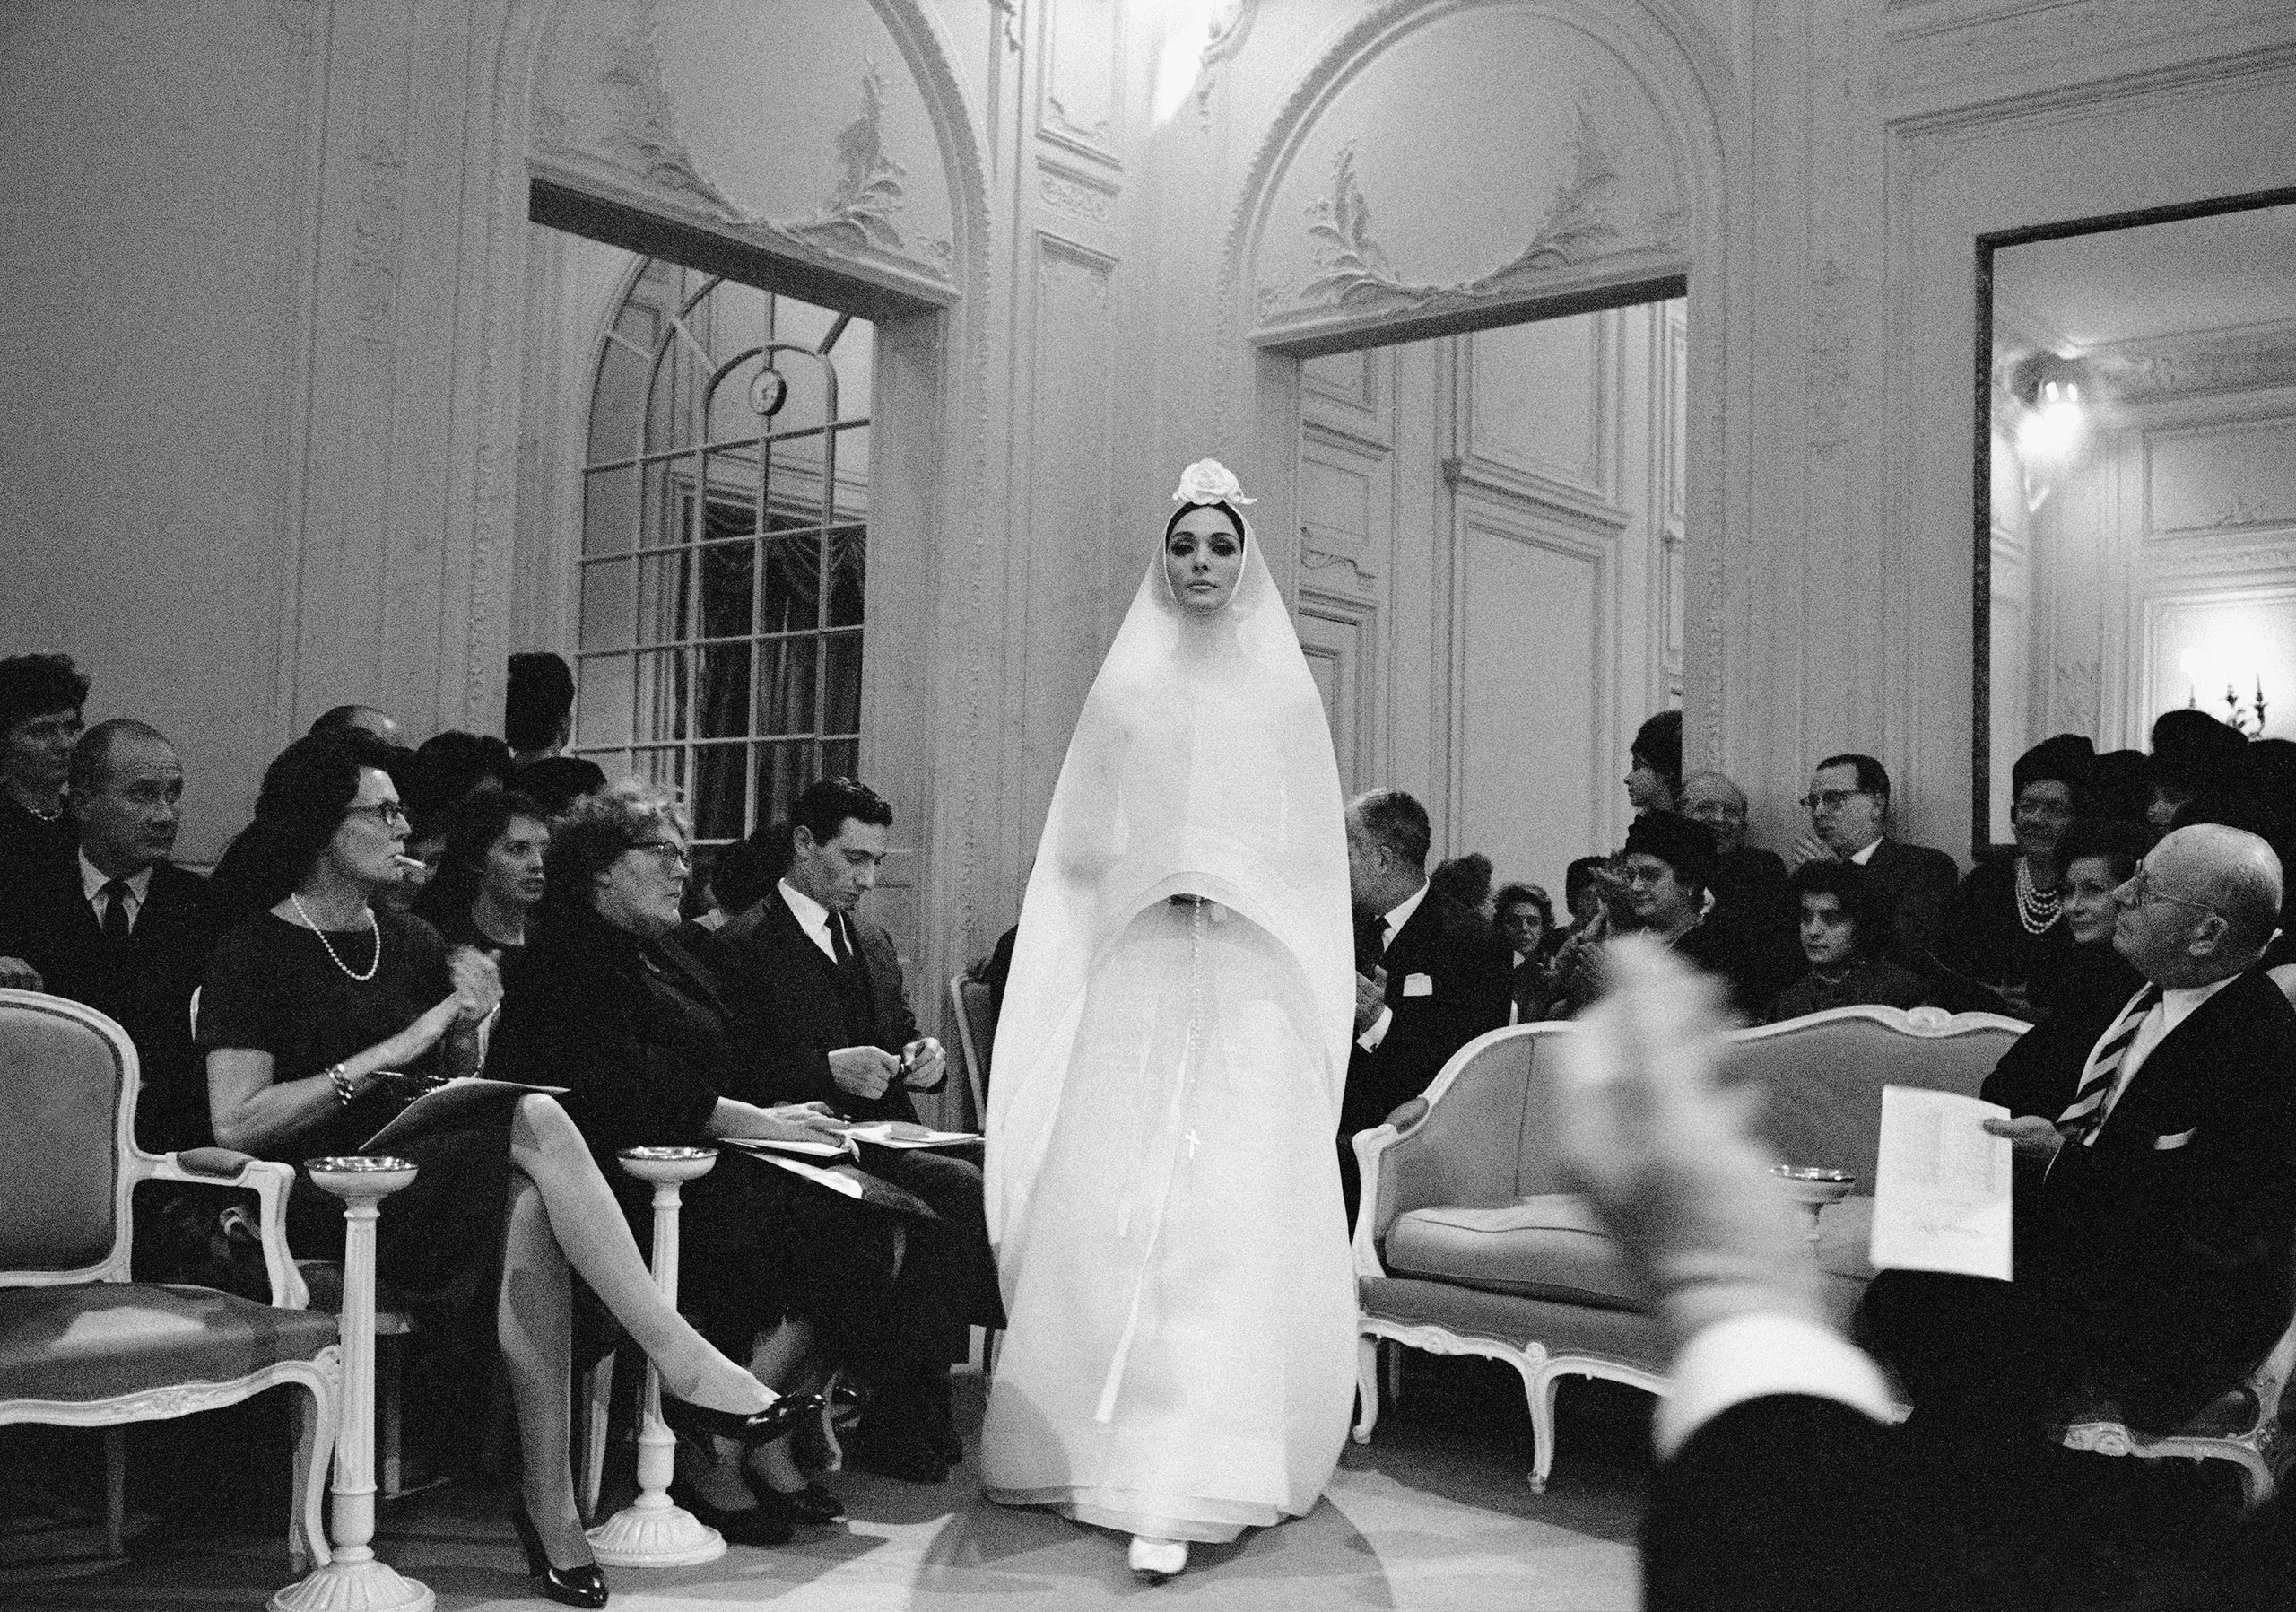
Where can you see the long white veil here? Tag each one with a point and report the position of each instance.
(1201, 764)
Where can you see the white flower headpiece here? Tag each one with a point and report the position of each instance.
(1209, 482)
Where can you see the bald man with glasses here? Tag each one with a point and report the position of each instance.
(2155, 1193)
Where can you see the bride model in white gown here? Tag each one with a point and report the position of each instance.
(1163, 1192)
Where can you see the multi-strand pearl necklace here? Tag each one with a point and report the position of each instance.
(2036, 909)
(374, 925)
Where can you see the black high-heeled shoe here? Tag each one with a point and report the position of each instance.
(583, 1586)
(762, 1427)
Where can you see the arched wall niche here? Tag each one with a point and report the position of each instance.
(829, 149)
(1449, 165)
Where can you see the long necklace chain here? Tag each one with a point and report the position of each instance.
(373, 925)
(2036, 909)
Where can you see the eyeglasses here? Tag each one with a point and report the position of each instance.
(1832, 800)
(668, 852)
(2140, 885)
(389, 813)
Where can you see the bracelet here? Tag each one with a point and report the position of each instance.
(340, 1079)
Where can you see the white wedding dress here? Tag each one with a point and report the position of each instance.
(1163, 1189)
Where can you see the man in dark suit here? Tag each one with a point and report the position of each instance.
(118, 926)
(2155, 1210)
(826, 988)
(1430, 975)
(1849, 805)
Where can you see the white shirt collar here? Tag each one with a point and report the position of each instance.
(92, 881)
(812, 917)
(1863, 856)
(1400, 913)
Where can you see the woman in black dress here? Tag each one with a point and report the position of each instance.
(322, 1011)
(777, 1268)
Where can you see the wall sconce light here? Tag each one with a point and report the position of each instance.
(2052, 395)
(2248, 717)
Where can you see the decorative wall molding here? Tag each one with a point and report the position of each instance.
(1230, 25)
(858, 214)
(1352, 271)
(2251, 358)
(1074, 195)
(1937, 53)
(376, 226)
(1081, 97)
(1832, 361)
(2187, 559)
(1566, 500)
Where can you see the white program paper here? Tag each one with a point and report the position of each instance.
(1941, 1194)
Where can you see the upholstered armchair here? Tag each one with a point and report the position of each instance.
(80, 1344)
(970, 1010)
(1469, 1240)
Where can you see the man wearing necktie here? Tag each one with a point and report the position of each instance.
(2155, 1194)
(1430, 975)
(118, 926)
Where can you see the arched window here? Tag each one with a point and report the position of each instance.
(725, 526)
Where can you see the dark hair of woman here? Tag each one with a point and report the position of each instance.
(33, 685)
(1467, 879)
(593, 835)
(305, 793)
(2120, 844)
(1846, 883)
(472, 829)
(1185, 510)
(1516, 895)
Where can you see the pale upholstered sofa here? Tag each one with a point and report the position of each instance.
(1468, 1241)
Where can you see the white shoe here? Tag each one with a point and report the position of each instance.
(1155, 1560)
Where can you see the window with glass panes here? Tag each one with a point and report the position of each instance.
(725, 530)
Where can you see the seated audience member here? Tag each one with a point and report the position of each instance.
(119, 926)
(537, 707)
(826, 982)
(40, 697)
(745, 872)
(344, 718)
(1654, 778)
(489, 876)
(1527, 919)
(448, 767)
(2003, 931)
(2040, 1072)
(2154, 1212)
(1837, 931)
(1430, 974)
(776, 1268)
(1849, 805)
(557, 781)
(1466, 880)
(1750, 882)
(1582, 893)
(2194, 757)
(323, 1013)
(1669, 861)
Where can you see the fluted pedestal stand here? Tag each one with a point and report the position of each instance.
(353, 1579)
(651, 1531)
(1813, 1189)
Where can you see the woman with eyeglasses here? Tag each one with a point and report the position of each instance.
(2006, 928)
(322, 1013)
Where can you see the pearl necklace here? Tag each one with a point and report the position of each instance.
(2036, 909)
(372, 924)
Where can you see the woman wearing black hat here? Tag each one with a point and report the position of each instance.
(2006, 931)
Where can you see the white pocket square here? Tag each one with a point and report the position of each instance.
(2162, 1143)
(1418, 985)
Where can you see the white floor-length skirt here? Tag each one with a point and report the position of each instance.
(1180, 1361)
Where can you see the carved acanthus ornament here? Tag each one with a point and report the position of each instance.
(645, 137)
(859, 212)
(1352, 269)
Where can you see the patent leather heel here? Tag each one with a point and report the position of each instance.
(583, 1586)
(773, 1421)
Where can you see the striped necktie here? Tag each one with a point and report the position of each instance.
(2085, 1116)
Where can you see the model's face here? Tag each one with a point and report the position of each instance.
(1659, 898)
(1844, 818)
(643, 889)
(512, 876)
(837, 871)
(36, 753)
(1829, 936)
(1203, 557)
(2038, 820)
(372, 833)
(2086, 895)
(130, 821)
(1524, 926)
(1718, 806)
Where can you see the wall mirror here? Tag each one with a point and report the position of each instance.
(2135, 476)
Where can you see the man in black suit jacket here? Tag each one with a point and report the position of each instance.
(825, 988)
(1430, 975)
(2155, 1210)
(1848, 804)
(118, 926)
